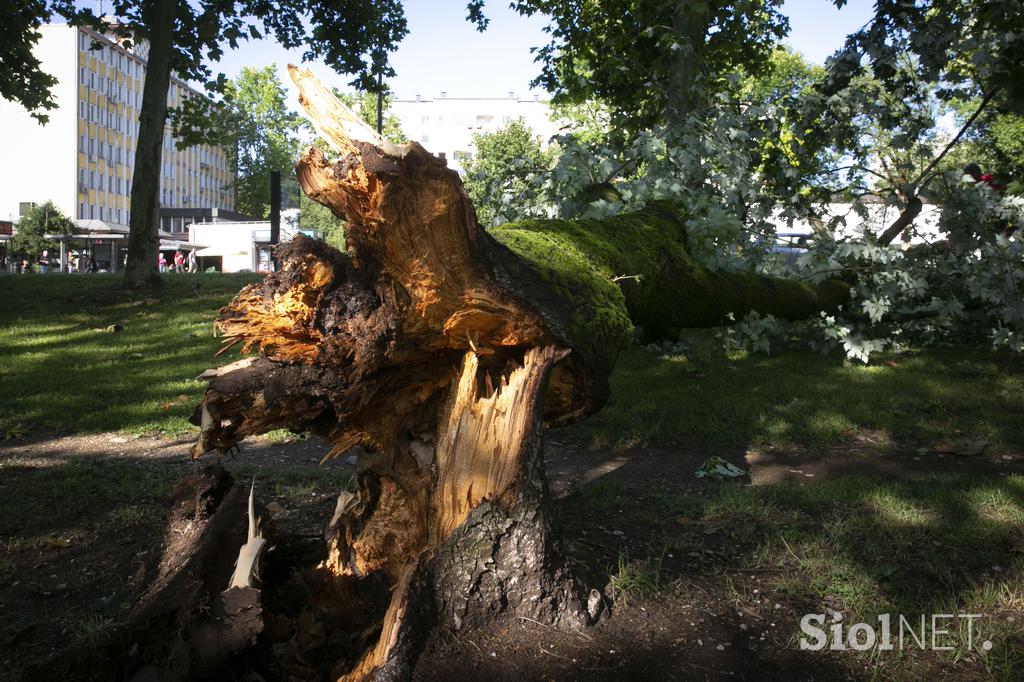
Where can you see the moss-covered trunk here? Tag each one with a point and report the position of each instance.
(439, 350)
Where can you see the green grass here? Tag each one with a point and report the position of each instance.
(939, 545)
(861, 545)
(75, 488)
(62, 370)
(919, 397)
(636, 579)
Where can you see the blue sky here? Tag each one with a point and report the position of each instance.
(443, 52)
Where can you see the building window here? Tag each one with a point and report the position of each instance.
(24, 207)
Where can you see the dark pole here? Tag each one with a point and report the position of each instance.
(380, 104)
(275, 207)
(275, 213)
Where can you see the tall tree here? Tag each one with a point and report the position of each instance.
(351, 36)
(500, 168)
(263, 135)
(652, 61)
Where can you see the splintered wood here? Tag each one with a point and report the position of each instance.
(488, 422)
(283, 327)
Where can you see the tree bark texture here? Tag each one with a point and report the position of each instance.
(439, 350)
(904, 220)
(143, 241)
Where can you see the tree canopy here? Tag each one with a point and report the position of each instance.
(39, 221)
(651, 60)
(499, 170)
(262, 135)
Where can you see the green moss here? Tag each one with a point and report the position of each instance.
(666, 289)
(599, 313)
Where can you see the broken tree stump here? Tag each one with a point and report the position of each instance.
(441, 349)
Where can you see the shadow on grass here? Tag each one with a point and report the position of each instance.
(803, 398)
(61, 369)
(861, 545)
(81, 536)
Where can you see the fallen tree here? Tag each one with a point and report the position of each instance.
(440, 349)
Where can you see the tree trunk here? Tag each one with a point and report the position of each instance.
(689, 29)
(143, 241)
(904, 220)
(441, 349)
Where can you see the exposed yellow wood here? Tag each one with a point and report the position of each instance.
(284, 328)
(480, 445)
(335, 122)
(394, 619)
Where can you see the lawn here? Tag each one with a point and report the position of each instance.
(919, 398)
(79, 354)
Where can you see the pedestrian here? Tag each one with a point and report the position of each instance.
(161, 261)
(44, 262)
(179, 261)
(193, 262)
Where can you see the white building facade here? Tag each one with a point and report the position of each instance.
(446, 125)
(83, 159)
(242, 246)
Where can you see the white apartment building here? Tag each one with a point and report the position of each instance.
(83, 159)
(445, 125)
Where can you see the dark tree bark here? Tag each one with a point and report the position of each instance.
(689, 27)
(441, 349)
(904, 220)
(143, 241)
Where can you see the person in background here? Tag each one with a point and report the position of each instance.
(193, 262)
(44, 262)
(974, 171)
(161, 261)
(179, 261)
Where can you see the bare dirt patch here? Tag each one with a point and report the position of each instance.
(690, 596)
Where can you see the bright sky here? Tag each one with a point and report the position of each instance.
(443, 52)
